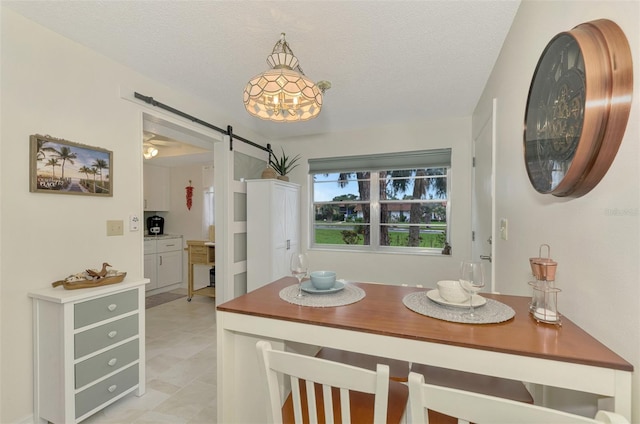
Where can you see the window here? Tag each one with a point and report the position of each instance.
(208, 210)
(396, 202)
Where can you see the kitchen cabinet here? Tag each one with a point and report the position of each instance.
(163, 261)
(89, 349)
(156, 183)
(273, 229)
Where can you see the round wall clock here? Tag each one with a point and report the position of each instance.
(578, 108)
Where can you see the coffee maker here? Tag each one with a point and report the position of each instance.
(155, 225)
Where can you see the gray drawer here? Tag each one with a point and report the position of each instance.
(105, 335)
(105, 363)
(169, 244)
(106, 390)
(97, 310)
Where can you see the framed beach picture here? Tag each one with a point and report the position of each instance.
(60, 166)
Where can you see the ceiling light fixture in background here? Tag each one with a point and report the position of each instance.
(150, 152)
(284, 93)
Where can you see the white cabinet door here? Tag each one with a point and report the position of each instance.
(163, 262)
(279, 244)
(156, 183)
(150, 271)
(273, 230)
(169, 268)
(286, 224)
(292, 218)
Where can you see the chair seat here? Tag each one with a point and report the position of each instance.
(398, 370)
(477, 383)
(361, 405)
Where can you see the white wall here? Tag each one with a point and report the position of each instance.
(597, 251)
(53, 86)
(384, 267)
(185, 222)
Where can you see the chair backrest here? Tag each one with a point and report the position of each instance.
(482, 409)
(341, 377)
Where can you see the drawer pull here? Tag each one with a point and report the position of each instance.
(170, 245)
(112, 307)
(112, 362)
(112, 334)
(112, 388)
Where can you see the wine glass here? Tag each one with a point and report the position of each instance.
(472, 280)
(299, 269)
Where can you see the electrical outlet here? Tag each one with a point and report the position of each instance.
(504, 229)
(115, 228)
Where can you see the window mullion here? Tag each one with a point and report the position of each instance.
(448, 207)
(374, 198)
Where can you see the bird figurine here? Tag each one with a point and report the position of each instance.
(98, 274)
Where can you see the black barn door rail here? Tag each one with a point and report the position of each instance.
(228, 131)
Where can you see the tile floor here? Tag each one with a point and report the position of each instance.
(181, 368)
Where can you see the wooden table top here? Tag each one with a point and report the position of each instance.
(382, 312)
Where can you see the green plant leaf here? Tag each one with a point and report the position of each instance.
(283, 164)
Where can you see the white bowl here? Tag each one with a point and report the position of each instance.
(323, 280)
(452, 291)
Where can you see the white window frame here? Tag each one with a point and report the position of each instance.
(374, 205)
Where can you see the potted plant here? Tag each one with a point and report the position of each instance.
(283, 164)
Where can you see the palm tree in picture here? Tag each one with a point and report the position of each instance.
(93, 171)
(99, 165)
(86, 171)
(53, 162)
(41, 149)
(65, 154)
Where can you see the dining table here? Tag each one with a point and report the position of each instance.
(380, 323)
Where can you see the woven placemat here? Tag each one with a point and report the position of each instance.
(492, 312)
(350, 294)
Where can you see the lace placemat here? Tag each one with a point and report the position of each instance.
(350, 294)
(492, 312)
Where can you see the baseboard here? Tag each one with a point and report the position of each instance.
(30, 420)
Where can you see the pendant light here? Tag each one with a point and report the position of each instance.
(284, 93)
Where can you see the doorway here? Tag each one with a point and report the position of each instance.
(178, 193)
(483, 195)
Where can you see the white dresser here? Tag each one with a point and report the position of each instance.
(273, 230)
(89, 349)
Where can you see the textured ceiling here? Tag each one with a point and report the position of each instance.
(388, 61)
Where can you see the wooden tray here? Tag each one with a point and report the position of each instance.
(83, 284)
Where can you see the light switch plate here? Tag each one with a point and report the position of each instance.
(115, 228)
(504, 229)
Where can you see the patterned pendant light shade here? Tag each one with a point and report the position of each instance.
(284, 93)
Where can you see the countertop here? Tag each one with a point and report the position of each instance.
(161, 236)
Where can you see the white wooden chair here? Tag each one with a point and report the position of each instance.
(324, 391)
(471, 407)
